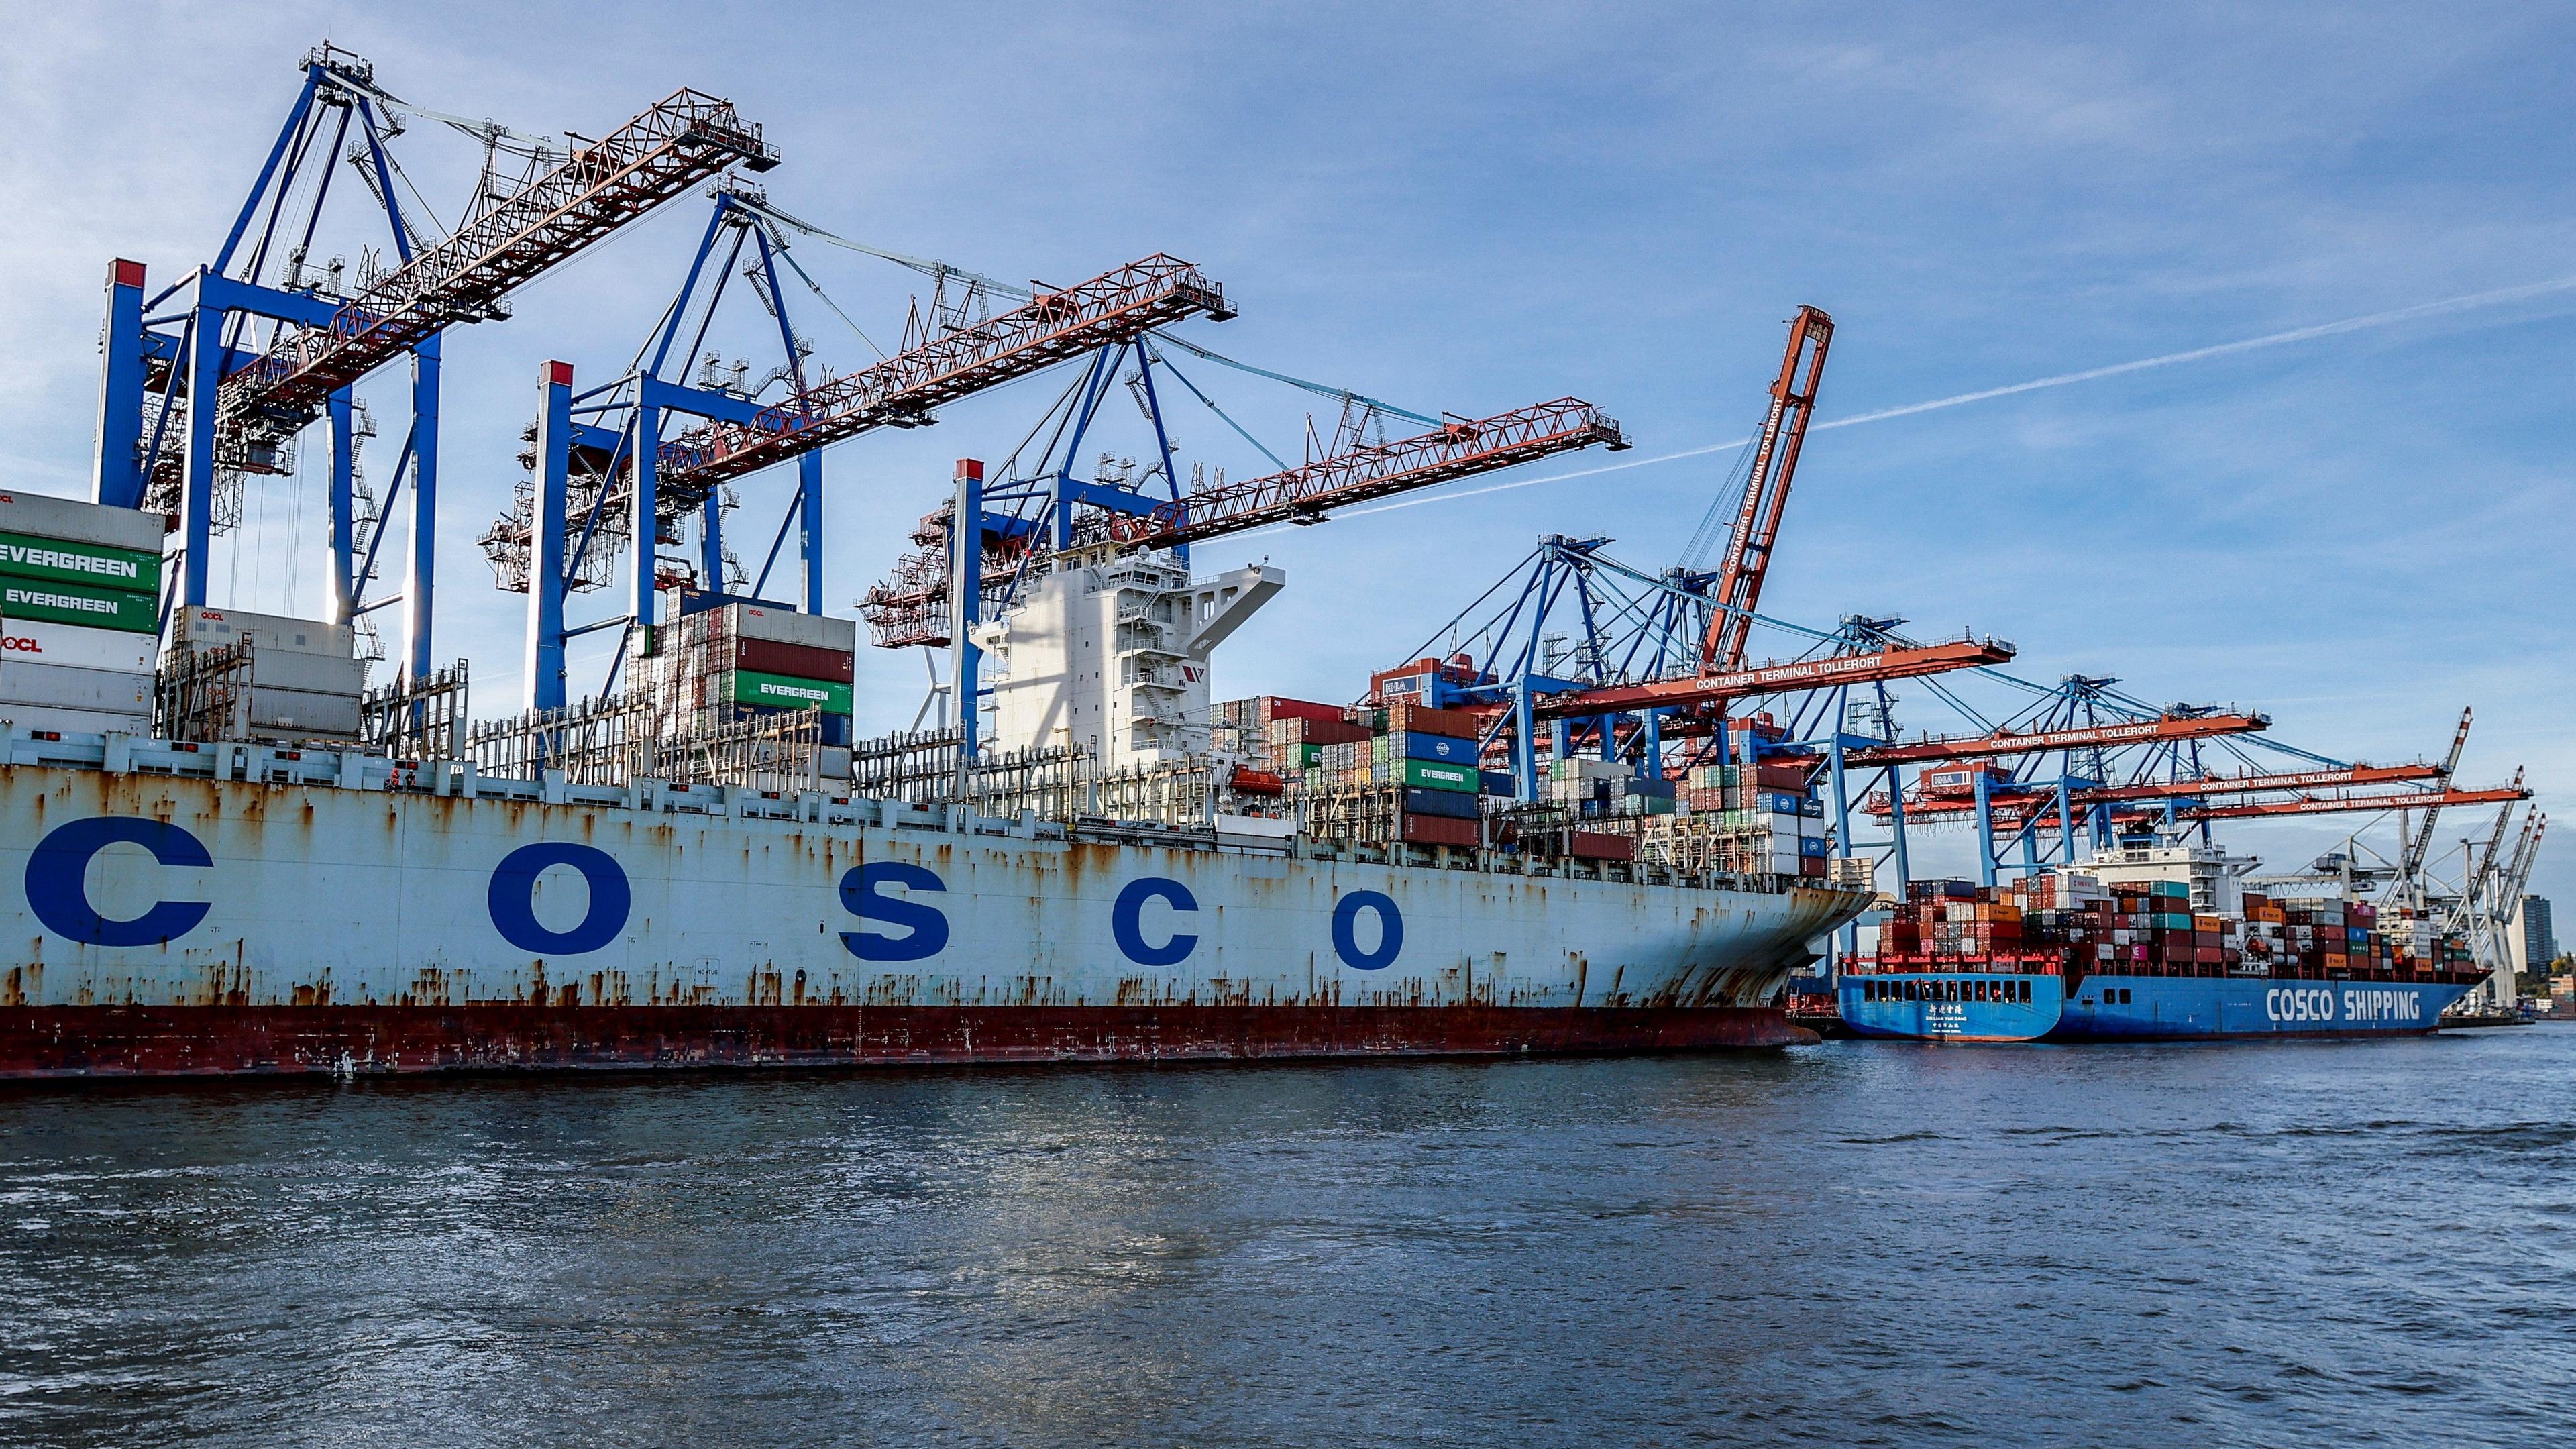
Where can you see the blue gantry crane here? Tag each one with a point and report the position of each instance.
(212, 378)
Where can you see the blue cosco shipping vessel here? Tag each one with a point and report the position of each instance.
(2147, 941)
(1992, 1006)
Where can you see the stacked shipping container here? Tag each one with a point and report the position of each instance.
(2069, 921)
(79, 614)
(731, 660)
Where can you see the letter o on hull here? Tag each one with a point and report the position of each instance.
(1390, 930)
(512, 898)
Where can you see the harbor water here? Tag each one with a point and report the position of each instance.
(1857, 1243)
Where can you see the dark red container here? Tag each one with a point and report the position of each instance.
(796, 661)
(1439, 830)
(1583, 845)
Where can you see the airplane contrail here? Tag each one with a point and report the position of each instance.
(2420, 310)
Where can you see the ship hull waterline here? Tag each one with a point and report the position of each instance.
(178, 926)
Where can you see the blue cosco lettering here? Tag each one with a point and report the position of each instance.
(58, 873)
(1126, 921)
(863, 895)
(1390, 931)
(513, 896)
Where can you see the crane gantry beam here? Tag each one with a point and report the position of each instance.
(909, 608)
(1766, 492)
(2335, 804)
(1903, 661)
(1115, 307)
(1304, 494)
(2007, 742)
(2042, 801)
(675, 144)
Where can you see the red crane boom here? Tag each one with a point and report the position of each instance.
(1766, 492)
(1895, 662)
(2043, 802)
(2039, 742)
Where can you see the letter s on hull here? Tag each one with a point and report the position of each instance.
(58, 890)
(862, 895)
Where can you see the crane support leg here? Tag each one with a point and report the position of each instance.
(648, 448)
(1896, 827)
(809, 504)
(711, 541)
(544, 664)
(1842, 833)
(340, 508)
(420, 580)
(966, 595)
(1985, 832)
(197, 491)
(116, 475)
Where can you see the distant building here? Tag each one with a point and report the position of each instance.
(2533, 938)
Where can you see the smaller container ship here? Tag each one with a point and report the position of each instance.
(2146, 943)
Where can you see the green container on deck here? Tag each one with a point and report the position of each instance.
(777, 691)
(88, 604)
(1433, 775)
(101, 565)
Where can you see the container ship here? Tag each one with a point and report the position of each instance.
(227, 856)
(2146, 942)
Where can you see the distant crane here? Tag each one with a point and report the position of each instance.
(1766, 492)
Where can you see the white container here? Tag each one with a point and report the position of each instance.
(41, 515)
(782, 626)
(318, 673)
(74, 721)
(33, 642)
(61, 686)
(300, 712)
(205, 628)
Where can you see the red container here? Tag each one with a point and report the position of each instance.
(1284, 708)
(1780, 777)
(796, 661)
(1438, 830)
(1422, 719)
(1583, 845)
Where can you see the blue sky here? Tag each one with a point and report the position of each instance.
(1476, 207)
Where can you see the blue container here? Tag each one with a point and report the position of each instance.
(1443, 748)
(1815, 845)
(1498, 782)
(1455, 804)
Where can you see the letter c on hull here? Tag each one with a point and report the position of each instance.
(512, 898)
(1390, 931)
(1127, 916)
(58, 891)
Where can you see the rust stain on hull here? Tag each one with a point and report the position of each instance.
(146, 1041)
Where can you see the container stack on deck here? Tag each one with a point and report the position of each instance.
(1405, 773)
(2066, 920)
(733, 661)
(79, 614)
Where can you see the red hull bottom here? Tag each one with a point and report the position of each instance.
(140, 1041)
